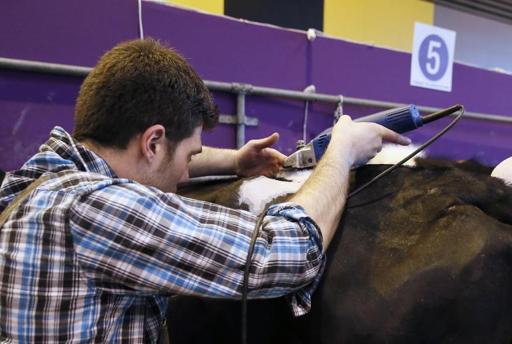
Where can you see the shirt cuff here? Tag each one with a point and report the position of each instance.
(300, 300)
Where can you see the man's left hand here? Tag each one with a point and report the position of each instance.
(257, 158)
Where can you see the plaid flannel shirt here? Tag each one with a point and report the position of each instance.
(90, 257)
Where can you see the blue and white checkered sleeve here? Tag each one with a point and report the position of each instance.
(131, 238)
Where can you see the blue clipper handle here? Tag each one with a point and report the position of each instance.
(401, 120)
(320, 145)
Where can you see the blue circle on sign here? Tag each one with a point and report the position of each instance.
(433, 57)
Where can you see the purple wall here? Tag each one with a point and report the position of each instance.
(224, 49)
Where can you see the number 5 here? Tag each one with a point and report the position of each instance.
(433, 57)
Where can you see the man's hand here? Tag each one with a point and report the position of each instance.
(257, 158)
(363, 140)
(324, 194)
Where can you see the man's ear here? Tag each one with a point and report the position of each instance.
(152, 141)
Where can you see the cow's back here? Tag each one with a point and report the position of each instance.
(424, 255)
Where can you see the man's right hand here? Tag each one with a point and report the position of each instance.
(324, 194)
(362, 140)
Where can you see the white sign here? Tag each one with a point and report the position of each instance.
(432, 57)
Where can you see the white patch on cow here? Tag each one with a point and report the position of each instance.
(504, 171)
(392, 153)
(257, 192)
(296, 176)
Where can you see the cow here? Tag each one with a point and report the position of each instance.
(424, 255)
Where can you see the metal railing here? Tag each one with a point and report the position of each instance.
(242, 90)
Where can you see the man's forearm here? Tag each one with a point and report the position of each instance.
(213, 161)
(324, 194)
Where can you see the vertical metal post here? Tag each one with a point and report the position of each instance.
(240, 116)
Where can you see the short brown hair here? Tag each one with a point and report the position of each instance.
(138, 84)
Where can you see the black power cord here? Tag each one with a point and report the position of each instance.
(245, 285)
(413, 154)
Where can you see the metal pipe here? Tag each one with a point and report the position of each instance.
(60, 69)
(276, 92)
(240, 115)
(44, 67)
(219, 86)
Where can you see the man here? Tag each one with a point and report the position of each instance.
(92, 252)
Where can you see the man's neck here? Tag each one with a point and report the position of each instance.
(121, 161)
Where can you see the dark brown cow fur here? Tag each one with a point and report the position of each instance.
(422, 256)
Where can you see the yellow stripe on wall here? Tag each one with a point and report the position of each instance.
(386, 23)
(211, 6)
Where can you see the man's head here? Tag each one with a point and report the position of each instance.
(139, 86)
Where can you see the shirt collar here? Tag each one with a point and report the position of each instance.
(61, 143)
